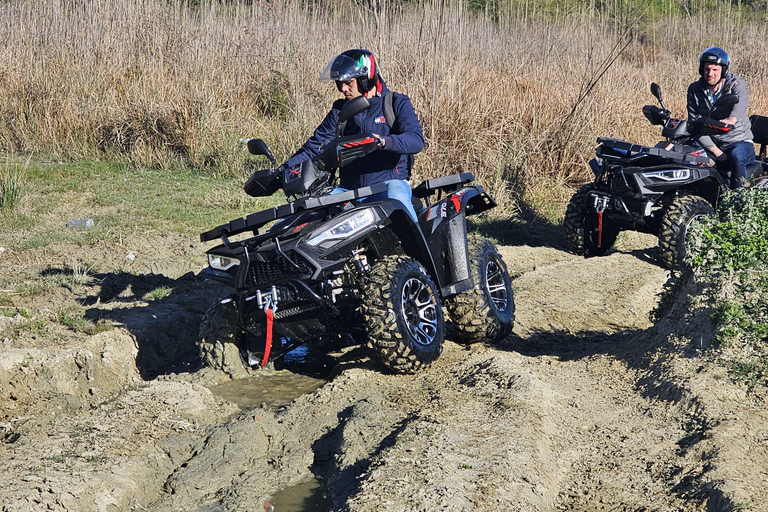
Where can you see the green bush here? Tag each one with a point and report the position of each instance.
(737, 238)
(731, 251)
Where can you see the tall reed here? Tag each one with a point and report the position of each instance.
(516, 96)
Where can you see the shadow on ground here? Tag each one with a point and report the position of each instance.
(162, 313)
(515, 231)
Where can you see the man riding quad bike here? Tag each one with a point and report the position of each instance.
(343, 265)
(658, 190)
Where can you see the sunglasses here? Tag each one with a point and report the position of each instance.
(342, 83)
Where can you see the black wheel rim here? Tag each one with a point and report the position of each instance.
(419, 311)
(496, 284)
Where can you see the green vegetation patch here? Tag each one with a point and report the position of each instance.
(122, 201)
(73, 317)
(731, 251)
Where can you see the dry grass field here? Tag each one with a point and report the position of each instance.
(517, 98)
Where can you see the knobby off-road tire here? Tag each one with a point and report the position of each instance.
(581, 226)
(487, 311)
(674, 228)
(220, 338)
(403, 314)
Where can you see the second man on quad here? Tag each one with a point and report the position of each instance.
(733, 150)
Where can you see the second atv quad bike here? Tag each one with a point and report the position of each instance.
(657, 190)
(353, 265)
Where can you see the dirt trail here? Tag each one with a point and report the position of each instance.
(586, 406)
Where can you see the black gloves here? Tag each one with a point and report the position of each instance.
(720, 159)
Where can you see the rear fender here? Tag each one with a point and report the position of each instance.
(445, 228)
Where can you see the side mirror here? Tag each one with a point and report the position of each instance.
(350, 109)
(656, 91)
(259, 147)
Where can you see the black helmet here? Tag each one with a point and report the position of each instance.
(714, 55)
(358, 64)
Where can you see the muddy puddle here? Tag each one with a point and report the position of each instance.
(311, 496)
(273, 391)
(302, 373)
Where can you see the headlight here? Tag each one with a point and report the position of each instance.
(219, 262)
(346, 228)
(670, 175)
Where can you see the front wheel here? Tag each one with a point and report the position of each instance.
(403, 314)
(220, 339)
(674, 227)
(487, 311)
(582, 229)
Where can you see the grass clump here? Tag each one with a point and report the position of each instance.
(73, 318)
(12, 180)
(731, 252)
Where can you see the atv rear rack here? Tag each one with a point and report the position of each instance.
(633, 152)
(446, 183)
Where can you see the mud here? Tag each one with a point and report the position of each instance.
(586, 406)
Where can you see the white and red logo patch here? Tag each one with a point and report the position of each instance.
(380, 120)
(437, 211)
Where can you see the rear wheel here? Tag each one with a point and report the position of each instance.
(403, 314)
(582, 229)
(674, 227)
(487, 311)
(220, 339)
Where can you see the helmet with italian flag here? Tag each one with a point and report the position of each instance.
(358, 64)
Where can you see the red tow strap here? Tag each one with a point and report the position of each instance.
(599, 228)
(268, 345)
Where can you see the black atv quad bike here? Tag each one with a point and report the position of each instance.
(341, 265)
(657, 190)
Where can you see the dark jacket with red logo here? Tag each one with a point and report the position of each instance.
(387, 163)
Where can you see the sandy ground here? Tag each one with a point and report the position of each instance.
(587, 406)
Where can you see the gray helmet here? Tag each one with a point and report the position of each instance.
(714, 55)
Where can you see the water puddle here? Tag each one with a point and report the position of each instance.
(275, 390)
(308, 496)
(278, 388)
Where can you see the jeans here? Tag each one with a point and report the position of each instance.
(740, 155)
(396, 189)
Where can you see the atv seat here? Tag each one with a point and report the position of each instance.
(760, 132)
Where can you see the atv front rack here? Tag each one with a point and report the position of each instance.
(256, 220)
(626, 152)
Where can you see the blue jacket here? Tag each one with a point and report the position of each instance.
(387, 163)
